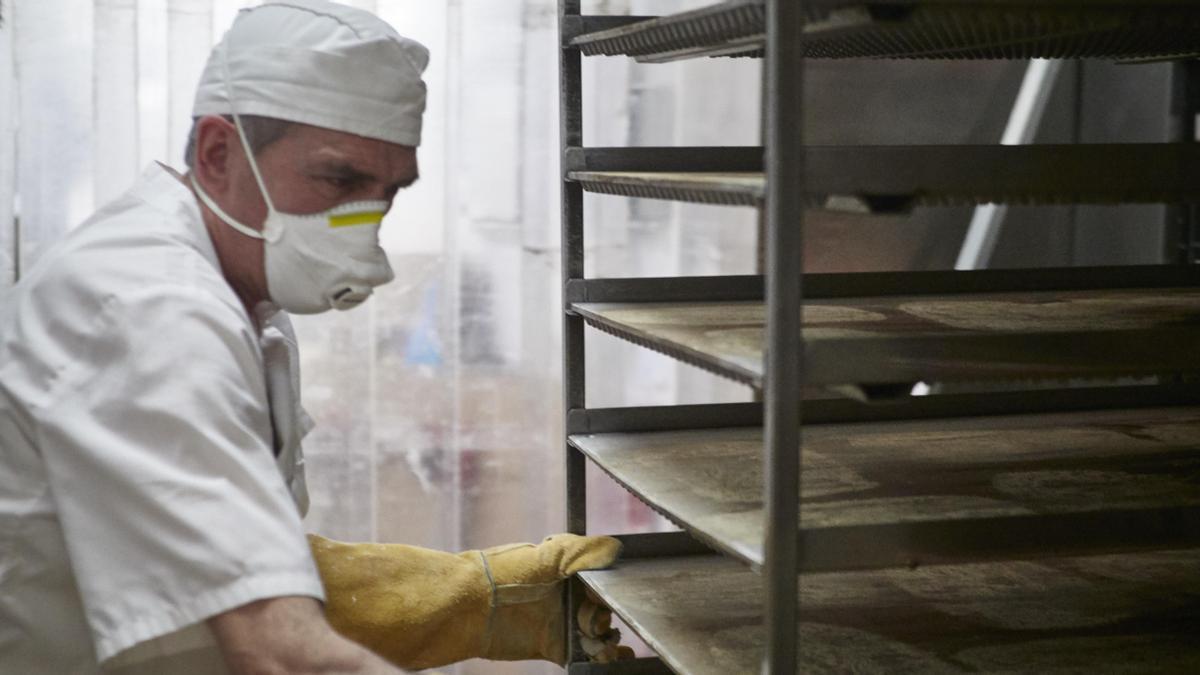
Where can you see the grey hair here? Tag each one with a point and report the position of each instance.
(260, 132)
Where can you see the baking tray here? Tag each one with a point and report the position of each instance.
(1102, 614)
(910, 493)
(975, 337)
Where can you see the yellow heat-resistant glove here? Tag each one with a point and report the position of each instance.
(421, 608)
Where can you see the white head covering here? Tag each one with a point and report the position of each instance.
(318, 63)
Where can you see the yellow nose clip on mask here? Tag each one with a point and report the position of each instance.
(352, 219)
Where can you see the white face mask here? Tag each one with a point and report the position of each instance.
(319, 261)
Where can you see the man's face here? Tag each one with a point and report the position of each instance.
(307, 170)
(311, 169)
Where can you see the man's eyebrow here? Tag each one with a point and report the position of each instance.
(348, 172)
(343, 170)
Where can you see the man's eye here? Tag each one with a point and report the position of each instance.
(340, 183)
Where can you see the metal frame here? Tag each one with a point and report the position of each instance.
(661, 418)
(846, 411)
(724, 158)
(973, 29)
(784, 215)
(571, 135)
(660, 545)
(880, 284)
(783, 162)
(858, 178)
(635, 667)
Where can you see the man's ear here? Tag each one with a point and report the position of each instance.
(217, 148)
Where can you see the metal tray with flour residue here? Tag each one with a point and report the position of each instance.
(892, 178)
(934, 338)
(914, 29)
(915, 492)
(1103, 614)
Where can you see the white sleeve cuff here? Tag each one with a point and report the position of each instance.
(166, 620)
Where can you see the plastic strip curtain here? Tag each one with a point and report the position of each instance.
(53, 43)
(116, 116)
(93, 92)
(90, 93)
(8, 151)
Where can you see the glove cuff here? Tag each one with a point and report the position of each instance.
(526, 618)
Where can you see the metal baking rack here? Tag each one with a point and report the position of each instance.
(1036, 531)
(971, 29)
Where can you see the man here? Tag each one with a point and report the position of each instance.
(151, 483)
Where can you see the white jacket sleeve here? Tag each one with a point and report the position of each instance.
(158, 450)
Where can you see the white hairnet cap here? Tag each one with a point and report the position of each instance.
(318, 63)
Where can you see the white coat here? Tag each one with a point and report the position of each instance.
(139, 487)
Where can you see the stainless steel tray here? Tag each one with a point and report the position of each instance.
(1104, 614)
(869, 178)
(938, 338)
(889, 494)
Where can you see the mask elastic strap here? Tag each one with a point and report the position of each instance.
(237, 122)
(216, 208)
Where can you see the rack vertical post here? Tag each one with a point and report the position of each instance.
(574, 371)
(784, 161)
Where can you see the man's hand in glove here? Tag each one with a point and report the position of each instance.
(600, 641)
(421, 608)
